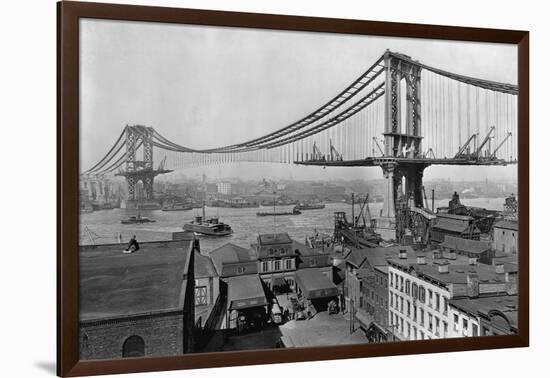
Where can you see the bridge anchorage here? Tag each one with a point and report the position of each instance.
(140, 170)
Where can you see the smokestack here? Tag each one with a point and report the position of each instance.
(421, 260)
(472, 261)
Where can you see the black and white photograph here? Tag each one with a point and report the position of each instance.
(248, 189)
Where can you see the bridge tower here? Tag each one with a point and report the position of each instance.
(402, 132)
(140, 170)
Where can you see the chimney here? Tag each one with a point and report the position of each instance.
(472, 285)
(443, 267)
(499, 268)
(421, 260)
(436, 254)
(511, 282)
(452, 254)
(402, 253)
(472, 261)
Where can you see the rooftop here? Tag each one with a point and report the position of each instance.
(452, 225)
(117, 284)
(503, 304)
(466, 245)
(507, 224)
(375, 256)
(229, 254)
(462, 218)
(268, 239)
(204, 267)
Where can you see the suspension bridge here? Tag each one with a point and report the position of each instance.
(401, 115)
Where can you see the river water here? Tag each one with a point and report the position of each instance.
(101, 227)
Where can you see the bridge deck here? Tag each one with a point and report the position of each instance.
(378, 161)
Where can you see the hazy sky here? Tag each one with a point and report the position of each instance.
(211, 86)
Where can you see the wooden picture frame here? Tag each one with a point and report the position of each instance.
(69, 14)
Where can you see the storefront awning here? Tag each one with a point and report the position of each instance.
(245, 292)
(314, 284)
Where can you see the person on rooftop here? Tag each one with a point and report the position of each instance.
(133, 245)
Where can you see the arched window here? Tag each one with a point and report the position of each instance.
(415, 290)
(407, 287)
(134, 346)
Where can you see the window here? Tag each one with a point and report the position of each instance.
(422, 294)
(414, 313)
(474, 330)
(282, 251)
(277, 265)
(445, 305)
(436, 325)
(430, 298)
(133, 346)
(421, 316)
(271, 252)
(421, 335)
(240, 269)
(455, 322)
(391, 279)
(407, 287)
(430, 322)
(408, 330)
(409, 309)
(465, 327)
(401, 300)
(445, 329)
(414, 333)
(401, 286)
(436, 302)
(288, 264)
(200, 296)
(265, 266)
(415, 290)
(391, 299)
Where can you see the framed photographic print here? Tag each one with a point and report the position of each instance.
(240, 188)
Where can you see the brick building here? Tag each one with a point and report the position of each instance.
(366, 291)
(139, 304)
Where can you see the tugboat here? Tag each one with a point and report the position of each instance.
(210, 227)
(137, 220)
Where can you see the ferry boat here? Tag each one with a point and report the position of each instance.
(210, 227)
(137, 220)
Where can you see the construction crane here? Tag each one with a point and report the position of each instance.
(317, 154)
(161, 164)
(494, 154)
(484, 142)
(377, 145)
(335, 155)
(466, 147)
